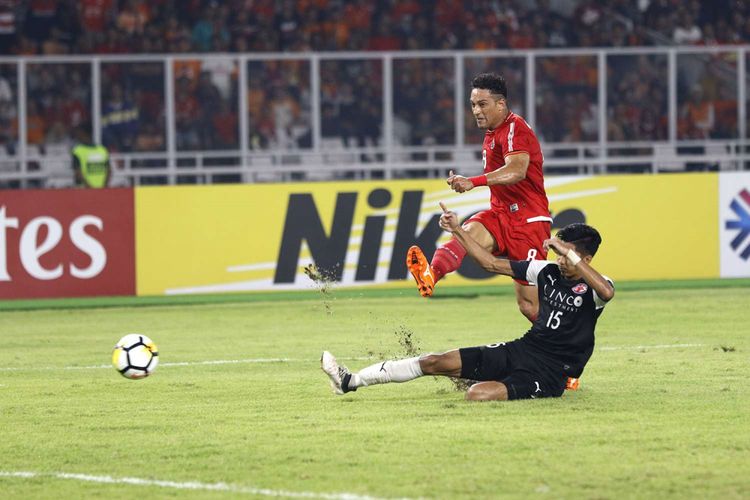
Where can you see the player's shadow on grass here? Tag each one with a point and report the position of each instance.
(455, 296)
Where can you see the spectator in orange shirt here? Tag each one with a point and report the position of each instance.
(699, 114)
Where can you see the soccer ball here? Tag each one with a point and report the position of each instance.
(135, 356)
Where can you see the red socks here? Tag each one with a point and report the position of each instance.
(447, 259)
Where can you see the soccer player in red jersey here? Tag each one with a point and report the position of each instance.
(518, 220)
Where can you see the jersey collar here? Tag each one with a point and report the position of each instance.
(503, 124)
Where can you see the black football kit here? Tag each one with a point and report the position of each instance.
(557, 346)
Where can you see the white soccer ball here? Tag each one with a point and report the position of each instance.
(135, 356)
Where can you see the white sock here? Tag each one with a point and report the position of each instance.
(401, 370)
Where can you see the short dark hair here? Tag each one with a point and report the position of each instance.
(584, 238)
(492, 82)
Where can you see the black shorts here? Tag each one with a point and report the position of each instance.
(523, 375)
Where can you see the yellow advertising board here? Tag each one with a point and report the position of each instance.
(203, 239)
(652, 226)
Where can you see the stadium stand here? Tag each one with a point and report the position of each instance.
(76, 75)
(170, 26)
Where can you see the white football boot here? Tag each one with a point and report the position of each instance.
(338, 374)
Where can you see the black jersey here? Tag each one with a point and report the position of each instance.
(563, 333)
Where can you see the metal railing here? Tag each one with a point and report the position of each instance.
(290, 111)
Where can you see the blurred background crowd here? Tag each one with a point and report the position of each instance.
(279, 94)
(160, 26)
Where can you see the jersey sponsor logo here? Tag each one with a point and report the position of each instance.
(741, 207)
(560, 299)
(580, 288)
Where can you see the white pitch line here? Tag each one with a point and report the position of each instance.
(299, 360)
(190, 485)
(658, 346)
(181, 363)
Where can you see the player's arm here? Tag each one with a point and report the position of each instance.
(490, 263)
(599, 283)
(512, 172)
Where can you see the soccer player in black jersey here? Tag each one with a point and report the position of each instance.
(572, 295)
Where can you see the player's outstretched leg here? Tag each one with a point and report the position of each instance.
(382, 372)
(420, 269)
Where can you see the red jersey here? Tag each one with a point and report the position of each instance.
(526, 200)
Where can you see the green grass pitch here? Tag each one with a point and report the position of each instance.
(663, 409)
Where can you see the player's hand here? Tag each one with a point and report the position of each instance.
(558, 246)
(451, 176)
(459, 183)
(449, 220)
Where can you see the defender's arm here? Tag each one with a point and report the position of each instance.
(599, 283)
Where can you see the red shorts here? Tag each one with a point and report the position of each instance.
(516, 239)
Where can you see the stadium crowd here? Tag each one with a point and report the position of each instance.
(160, 26)
(207, 94)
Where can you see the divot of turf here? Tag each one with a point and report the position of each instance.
(324, 281)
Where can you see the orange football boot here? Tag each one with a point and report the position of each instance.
(421, 270)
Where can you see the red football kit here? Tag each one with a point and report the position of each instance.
(519, 218)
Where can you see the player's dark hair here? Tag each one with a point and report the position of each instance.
(584, 238)
(492, 82)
